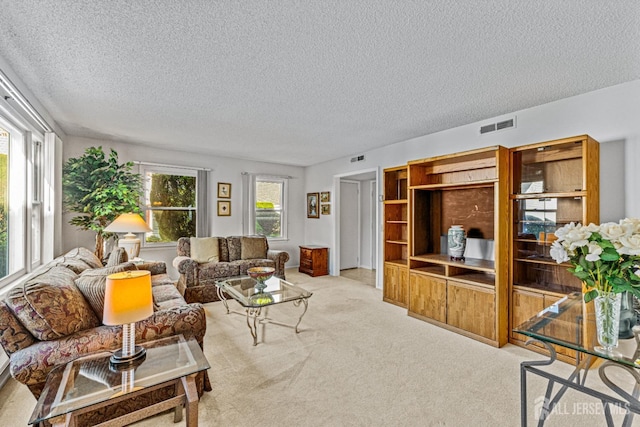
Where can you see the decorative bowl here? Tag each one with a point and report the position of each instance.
(261, 273)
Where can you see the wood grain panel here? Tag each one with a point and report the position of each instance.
(428, 296)
(566, 331)
(524, 305)
(472, 208)
(472, 309)
(396, 284)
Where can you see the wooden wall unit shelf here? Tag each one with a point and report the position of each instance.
(469, 189)
(509, 201)
(552, 184)
(396, 236)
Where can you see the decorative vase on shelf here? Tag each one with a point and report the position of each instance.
(607, 308)
(456, 243)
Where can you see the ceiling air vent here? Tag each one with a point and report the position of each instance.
(357, 158)
(505, 124)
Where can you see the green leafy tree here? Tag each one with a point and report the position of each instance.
(99, 189)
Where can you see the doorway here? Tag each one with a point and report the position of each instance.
(356, 232)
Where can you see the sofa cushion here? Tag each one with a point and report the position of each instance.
(50, 305)
(92, 284)
(205, 249)
(253, 248)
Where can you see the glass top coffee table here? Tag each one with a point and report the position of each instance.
(256, 304)
(89, 382)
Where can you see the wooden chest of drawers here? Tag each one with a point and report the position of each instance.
(314, 260)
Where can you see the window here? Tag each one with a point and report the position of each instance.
(13, 196)
(170, 203)
(270, 207)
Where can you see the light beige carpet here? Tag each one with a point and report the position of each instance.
(356, 362)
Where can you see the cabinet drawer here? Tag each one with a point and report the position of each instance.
(306, 263)
(305, 253)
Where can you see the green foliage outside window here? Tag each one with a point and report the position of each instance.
(172, 191)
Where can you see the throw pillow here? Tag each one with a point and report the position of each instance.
(205, 249)
(253, 247)
(117, 256)
(50, 306)
(92, 284)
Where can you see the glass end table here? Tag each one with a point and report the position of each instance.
(91, 382)
(243, 290)
(568, 324)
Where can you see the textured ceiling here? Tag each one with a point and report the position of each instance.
(301, 82)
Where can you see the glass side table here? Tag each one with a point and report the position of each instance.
(562, 324)
(89, 382)
(278, 291)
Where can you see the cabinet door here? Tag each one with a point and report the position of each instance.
(396, 284)
(471, 308)
(390, 285)
(428, 296)
(567, 331)
(524, 305)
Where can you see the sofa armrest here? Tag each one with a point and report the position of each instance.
(279, 258)
(155, 267)
(31, 365)
(13, 335)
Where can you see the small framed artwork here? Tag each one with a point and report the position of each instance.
(325, 197)
(224, 190)
(312, 205)
(224, 207)
(325, 209)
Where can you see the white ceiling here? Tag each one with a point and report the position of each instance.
(301, 82)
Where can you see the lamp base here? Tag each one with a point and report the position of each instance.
(131, 244)
(138, 355)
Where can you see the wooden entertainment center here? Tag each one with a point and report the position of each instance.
(509, 201)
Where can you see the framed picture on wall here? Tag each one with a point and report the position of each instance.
(312, 205)
(325, 209)
(224, 207)
(224, 190)
(325, 197)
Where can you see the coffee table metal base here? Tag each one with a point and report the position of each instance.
(254, 315)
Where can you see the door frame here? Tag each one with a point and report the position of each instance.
(335, 253)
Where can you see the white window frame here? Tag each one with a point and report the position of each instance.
(166, 170)
(22, 192)
(284, 207)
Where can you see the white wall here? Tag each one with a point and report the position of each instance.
(223, 170)
(610, 115)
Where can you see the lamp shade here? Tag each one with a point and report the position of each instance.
(128, 223)
(128, 297)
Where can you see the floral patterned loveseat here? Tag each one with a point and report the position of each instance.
(235, 254)
(53, 316)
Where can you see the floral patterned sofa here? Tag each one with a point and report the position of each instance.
(54, 316)
(233, 256)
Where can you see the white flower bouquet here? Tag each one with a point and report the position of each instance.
(605, 257)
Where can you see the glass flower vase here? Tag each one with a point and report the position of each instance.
(607, 308)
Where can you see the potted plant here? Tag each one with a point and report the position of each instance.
(99, 189)
(606, 258)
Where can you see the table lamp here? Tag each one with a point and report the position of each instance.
(129, 223)
(127, 299)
